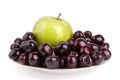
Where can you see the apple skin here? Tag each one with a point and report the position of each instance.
(52, 30)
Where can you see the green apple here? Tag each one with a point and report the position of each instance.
(52, 30)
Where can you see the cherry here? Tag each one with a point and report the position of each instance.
(88, 34)
(78, 34)
(35, 59)
(72, 61)
(80, 42)
(73, 53)
(98, 58)
(14, 45)
(45, 49)
(62, 49)
(85, 60)
(85, 49)
(28, 36)
(98, 39)
(23, 59)
(106, 53)
(18, 40)
(29, 46)
(94, 47)
(52, 62)
(105, 45)
(14, 54)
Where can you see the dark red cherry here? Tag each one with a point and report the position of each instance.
(78, 34)
(28, 46)
(25, 46)
(18, 40)
(28, 36)
(98, 58)
(106, 53)
(85, 60)
(33, 45)
(79, 43)
(45, 49)
(73, 53)
(14, 54)
(105, 45)
(85, 50)
(14, 45)
(23, 59)
(35, 59)
(94, 47)
(52, 62)
(88, 34)
(98, 39)
(62, 49)
(72, 61)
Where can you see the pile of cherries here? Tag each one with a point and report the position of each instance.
(82, 50)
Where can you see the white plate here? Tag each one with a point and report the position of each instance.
(46, 70)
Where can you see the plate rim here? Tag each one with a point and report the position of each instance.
(60, 70)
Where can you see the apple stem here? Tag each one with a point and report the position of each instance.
(59, 16)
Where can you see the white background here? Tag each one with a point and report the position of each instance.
(99, 16)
